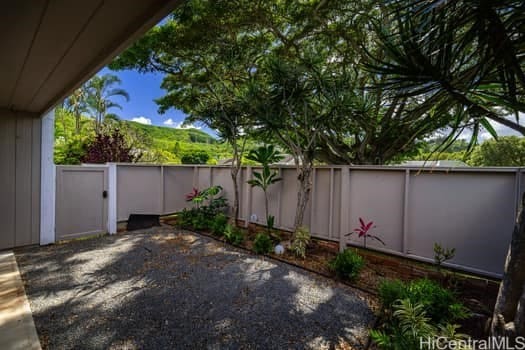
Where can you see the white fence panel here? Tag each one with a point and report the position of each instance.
(470, 209)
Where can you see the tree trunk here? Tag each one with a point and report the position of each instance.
(508, 309)
(77, 124)
(64, 127)
(303, 194)
(266, 210)
(234, 174)
(519, 320)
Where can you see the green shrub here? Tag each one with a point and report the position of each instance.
(185, 218)
(233, 235)
(201, 221)
(347, 264)
(440, 304)
(408, 325)
(195, 157)
(391, 290)
(208, 204)
(262, 244)
(209, 200)
(301, 241)
(218, 225)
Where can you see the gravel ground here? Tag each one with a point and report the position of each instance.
(167, 289)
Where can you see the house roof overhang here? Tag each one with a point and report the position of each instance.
(50, 47)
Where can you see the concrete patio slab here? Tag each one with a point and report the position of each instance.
(17, 330)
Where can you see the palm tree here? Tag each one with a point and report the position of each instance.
(468, 55)
(76, 105)
(100, 91)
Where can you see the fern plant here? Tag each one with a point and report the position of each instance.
(301, 241)
(233, 235)
(441, 304)
(412, 319)
(409, 325)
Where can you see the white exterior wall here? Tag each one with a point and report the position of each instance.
(19, 178)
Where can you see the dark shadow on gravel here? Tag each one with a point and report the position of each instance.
(171, 289)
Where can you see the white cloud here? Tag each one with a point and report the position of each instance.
(142, 120)
(179, 125)
(500, 129)
(169, 122)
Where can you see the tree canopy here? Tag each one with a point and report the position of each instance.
(361, 82)
(213, 52)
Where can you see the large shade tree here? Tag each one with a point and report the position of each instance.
(205, 64)
(214, 52)
(468, 55)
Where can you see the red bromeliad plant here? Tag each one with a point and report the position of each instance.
(364, 231)
(192, 195)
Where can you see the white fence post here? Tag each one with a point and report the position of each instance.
(345, 207)
(312, 200)
(47, 180)
(279, 220)
(517, 199)
(161, 197)
(405, 211)
(112, 198)
(248, 201)
(195, 177)
(331, 206)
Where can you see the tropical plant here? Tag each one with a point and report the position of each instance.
(469, 57)
(76, 103)
(440, 304)
(100, 92)
(347, 264)
(443, 254)
(195, 193)
(265, 155)
(185, 217)
(110, 146)
(300, 242)
(200, 219)
(411, 329)
(209, 196)
(218, 225)
(262, 244)
(70, 151)
(233, 235)
(363, 231)
(208, 212)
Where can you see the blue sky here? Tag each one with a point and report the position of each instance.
(143, 89)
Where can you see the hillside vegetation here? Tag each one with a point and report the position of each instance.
(155, 144)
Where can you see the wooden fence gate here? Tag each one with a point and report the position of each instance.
(81, 201)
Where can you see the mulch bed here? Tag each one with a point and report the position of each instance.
(477, 293)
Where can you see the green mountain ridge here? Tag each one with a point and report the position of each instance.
(163, 132)
(158, 144)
